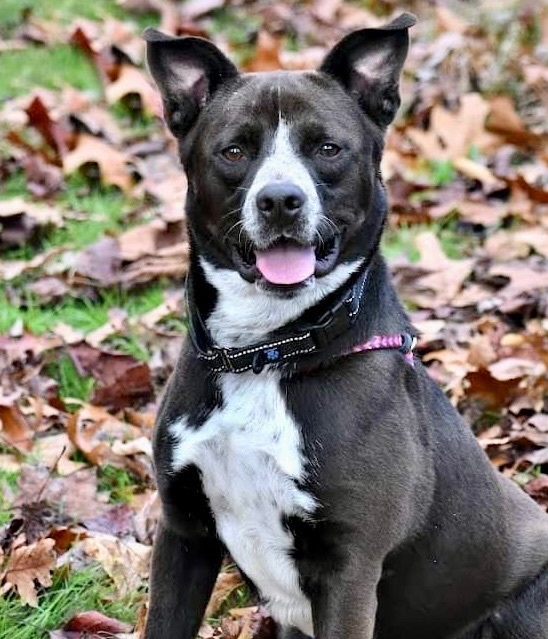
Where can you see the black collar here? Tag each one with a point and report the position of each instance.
(297, 338)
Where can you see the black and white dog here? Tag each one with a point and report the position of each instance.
(296, 431)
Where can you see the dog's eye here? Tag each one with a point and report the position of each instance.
(329, 150)
(234, 153)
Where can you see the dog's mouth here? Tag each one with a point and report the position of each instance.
(286, 263)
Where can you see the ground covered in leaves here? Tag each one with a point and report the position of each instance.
(93, 255)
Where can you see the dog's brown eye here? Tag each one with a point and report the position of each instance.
(234, 153)
(329, 150)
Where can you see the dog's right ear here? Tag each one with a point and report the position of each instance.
(187, 71)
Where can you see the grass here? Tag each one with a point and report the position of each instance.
(71, 383)
(8, 481)
(72, 592)
(24, 70)
(118, 483)
(82, 314)
(400, 241)
(96, 212)
(65, 11)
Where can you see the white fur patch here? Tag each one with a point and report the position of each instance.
(282, 164)
(249, 454)
(245, 314)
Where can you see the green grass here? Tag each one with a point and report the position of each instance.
(238, 28)
(117, 482)
(72, 592)
(52, 68)
(8, 480)
(441, 172)
(83, 314)
(94, 213)
(60, 11)
(401, 241)
(71, 383)
(240, 597)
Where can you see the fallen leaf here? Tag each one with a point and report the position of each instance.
(21, 219)
(73, 496)
(121, 379)
(93, 431)
(15, 430)
(226, 583)
(126, 562)
(96, 622)
(267, 53)
(29, 563)
(132, 81)
(114, 166)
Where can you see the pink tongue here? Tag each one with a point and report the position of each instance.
(286, 264)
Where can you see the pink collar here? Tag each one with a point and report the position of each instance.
(404, 342)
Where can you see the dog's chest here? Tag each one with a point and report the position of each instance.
(250, 458)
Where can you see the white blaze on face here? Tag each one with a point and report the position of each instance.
(282, 164)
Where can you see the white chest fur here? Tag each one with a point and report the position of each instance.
(249, 455)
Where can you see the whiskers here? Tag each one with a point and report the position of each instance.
(326, 222)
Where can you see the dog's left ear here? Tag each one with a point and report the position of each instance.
(187, 71)
(368, 64)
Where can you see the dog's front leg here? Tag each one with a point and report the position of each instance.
(182, 577)
(345, 604)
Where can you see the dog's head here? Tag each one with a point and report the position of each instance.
(283, 167)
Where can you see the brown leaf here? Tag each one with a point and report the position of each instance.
(193, 9)
(43, 179)
(10, 269)
(15, 430)
(93, 430)
(20, 221)
(479, 172)
(267, 54)
(226, 583)
(121, 379)
(117, 323)
(54, 451)
(538, 489)
(132, 81)
(126, 562)
(96, 622)
(98, 264)
(451, 133)
(73, 496)
(29, 563)
(149, 239)
(49, 288)
(116, 521)
(511, 368)
(58, 136)
(504, 120)
(114, 165)
(27, 346)
(102, 58)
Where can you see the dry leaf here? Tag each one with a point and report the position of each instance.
(29, 563)
(126, 562)
(114, 165)
(15, 430)
(132, 81)
(226, 583)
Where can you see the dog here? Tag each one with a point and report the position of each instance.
(297, 431)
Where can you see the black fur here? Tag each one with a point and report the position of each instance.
(417, 537)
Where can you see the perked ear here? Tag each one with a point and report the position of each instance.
(368, 64)
(187, 71)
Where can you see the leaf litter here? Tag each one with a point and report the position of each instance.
(466, 171)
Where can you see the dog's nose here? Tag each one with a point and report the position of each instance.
(280, 202)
